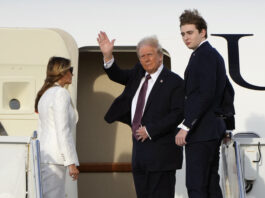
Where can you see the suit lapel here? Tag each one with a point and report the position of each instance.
(136, 82)
(157, 86)
(186, 73)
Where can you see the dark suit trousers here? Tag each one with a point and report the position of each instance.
(202, 163)
(154, 184)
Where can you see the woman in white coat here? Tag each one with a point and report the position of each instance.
(57, 120)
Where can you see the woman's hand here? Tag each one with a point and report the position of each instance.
(73, 171)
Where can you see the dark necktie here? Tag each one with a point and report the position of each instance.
(139, 106)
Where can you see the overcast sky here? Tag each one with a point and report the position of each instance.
(83, 18)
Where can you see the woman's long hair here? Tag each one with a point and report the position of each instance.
(56, 69)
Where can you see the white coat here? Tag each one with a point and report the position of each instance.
(57, 121)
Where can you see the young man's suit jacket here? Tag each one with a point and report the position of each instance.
(204, 86)
(162, 114)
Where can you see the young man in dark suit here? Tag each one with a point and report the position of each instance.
(152, 104)
(202, 129)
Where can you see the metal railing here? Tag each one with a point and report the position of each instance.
(241, 183)
(232, 176)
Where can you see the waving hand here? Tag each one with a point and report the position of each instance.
(106, 46)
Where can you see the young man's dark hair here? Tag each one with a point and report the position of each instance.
(193, 17)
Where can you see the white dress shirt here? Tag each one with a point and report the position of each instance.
(151, 83)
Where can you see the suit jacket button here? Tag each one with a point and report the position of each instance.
(186, 97)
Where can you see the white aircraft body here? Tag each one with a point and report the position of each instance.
(32, 31)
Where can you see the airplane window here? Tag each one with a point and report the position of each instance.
(14, 104)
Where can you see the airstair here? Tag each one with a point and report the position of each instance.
(20, 167)
(242, 167)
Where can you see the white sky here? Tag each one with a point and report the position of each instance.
(84, 18)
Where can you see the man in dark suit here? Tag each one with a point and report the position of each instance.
(202, 129)
(153, 115)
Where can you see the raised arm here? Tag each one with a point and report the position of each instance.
(106, 46)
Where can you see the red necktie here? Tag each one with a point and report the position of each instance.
(140, 106)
